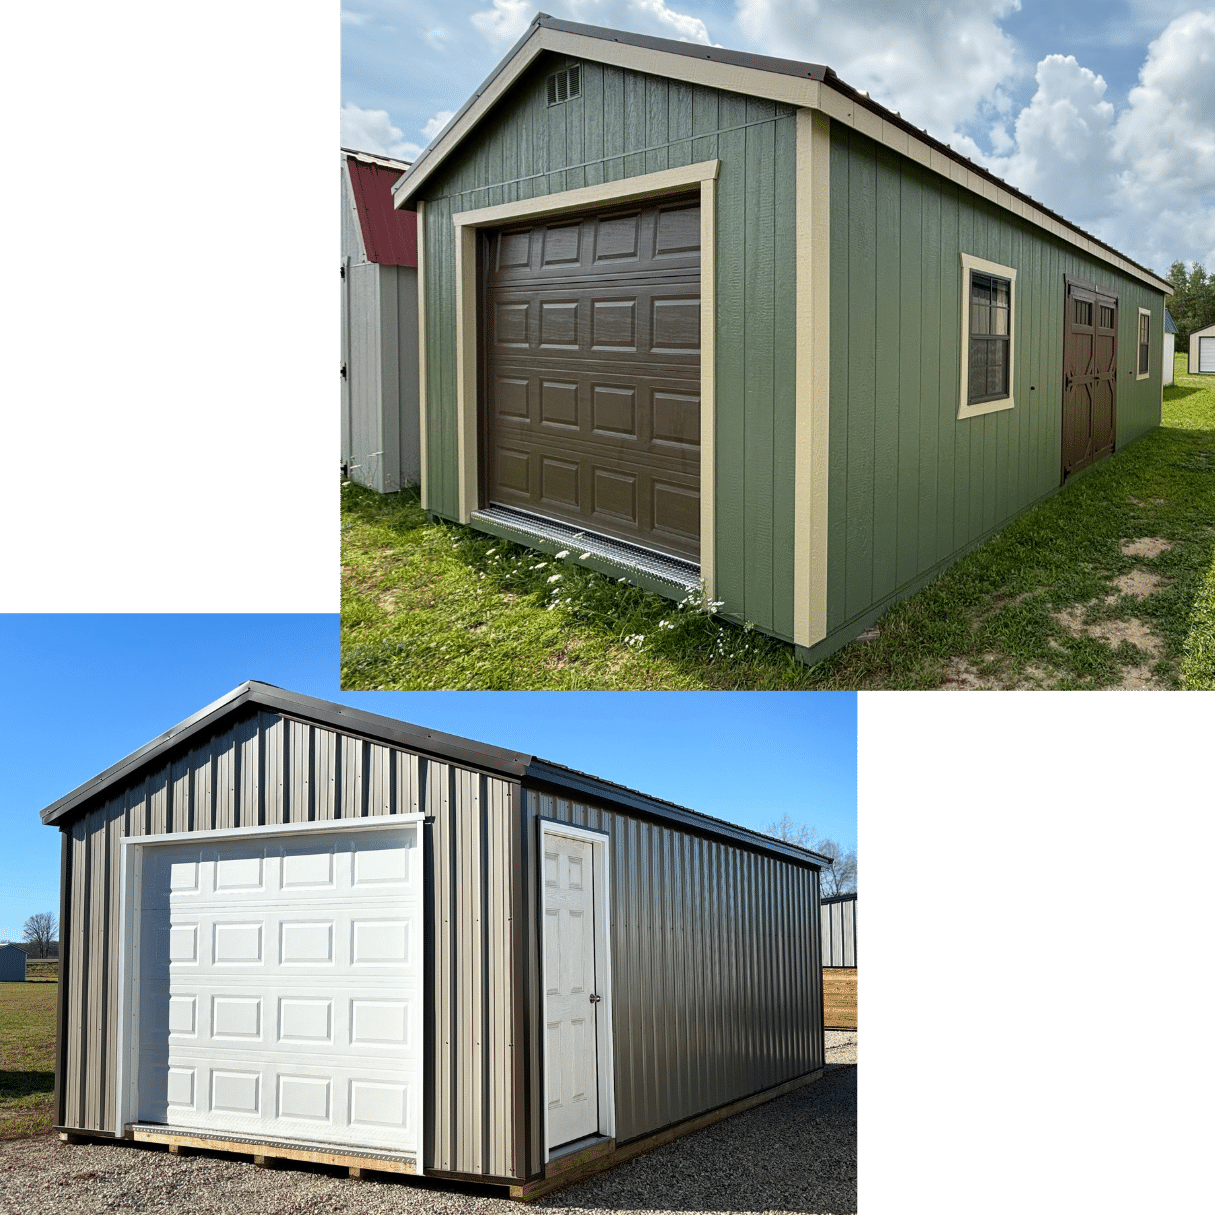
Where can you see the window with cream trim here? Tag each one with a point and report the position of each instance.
(989, 315)
(1145, 328)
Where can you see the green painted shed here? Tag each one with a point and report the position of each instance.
(706, 318)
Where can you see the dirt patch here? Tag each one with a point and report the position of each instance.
(1139, 679)
(1112, 632)
(1139, 583)
(960, 676)
(1146, 546)
(348, 575)
(1150, 501)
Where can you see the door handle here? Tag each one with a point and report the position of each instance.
(595, 999)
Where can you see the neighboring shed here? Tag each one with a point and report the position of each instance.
(839, 930)
(1170, 338)
(715, 317)
(1202, 352)
(379, 327)
(292, 928)
(12, 963)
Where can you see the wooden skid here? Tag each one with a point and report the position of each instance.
(578, 1166)
(266, 1154)
(839, 998)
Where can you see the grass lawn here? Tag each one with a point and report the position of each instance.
(27, 1054)
(1110, 583)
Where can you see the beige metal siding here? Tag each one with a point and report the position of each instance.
(715, 967)
(472, 1108)
(270, 769)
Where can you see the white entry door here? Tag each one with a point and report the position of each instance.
(1206, 354)
(571, 1000)
(280, 987)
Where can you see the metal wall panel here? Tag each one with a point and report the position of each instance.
(716, 973)
(270, 769)
(839, 931)
(380, 342)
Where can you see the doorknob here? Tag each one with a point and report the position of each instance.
(595, 999)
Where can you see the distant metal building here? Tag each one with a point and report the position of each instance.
(379, 327)
(1202, 352)
(839, 930)
(12, 963)
(295, 929)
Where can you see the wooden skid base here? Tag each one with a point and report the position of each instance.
(839, 997)
(268, 1155)
(578, 1166)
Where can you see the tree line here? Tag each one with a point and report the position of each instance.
(840, 878)
(1192, 304)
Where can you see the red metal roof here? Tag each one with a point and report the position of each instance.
(389, 236)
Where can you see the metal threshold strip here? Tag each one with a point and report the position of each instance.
(673, 571)
(303, 1145)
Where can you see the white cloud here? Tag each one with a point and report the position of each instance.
(372, 131)
(437, 123)
(352, 18)
(505, 22)
(938, 64)
(1142, 179)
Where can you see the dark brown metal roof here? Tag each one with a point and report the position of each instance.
(783, 67)
(432, 743)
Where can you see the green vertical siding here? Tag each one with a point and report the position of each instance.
(911, 487)
(626, 124)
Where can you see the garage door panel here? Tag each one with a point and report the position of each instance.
(593, 401)
(283, 978)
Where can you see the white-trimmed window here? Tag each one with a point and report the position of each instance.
(1145, 330)
(988, 334)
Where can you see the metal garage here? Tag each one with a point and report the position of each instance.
(293, 929)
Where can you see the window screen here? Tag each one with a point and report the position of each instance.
(990, 326)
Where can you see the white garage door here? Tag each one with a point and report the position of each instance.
(280, 991)
(1206, 354)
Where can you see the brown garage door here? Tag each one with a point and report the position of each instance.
(1090, 351)
(592, 373)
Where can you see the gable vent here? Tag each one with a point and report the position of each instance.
(565, 84)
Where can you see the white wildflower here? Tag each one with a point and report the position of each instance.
(583, 556)
(565, 552)
(555, 578)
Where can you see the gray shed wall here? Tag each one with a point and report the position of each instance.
(12, 964)
(380, 351)
(717, 985)
(271, 769)
(839, 933)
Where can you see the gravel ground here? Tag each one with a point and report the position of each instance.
(797, 1154)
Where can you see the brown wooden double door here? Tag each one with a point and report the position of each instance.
(1090, 370)
(591, 372)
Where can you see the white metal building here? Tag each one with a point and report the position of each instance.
(379, 327)
(1202, 352)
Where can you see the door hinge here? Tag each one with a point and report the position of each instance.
(343, 371)
(343, 271)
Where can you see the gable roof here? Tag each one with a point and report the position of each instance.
(390, 237)
(1170, 326)
(435, 744)
(815, 86)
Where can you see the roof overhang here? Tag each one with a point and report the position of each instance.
(804, 85)
(368, 158)
(515, 765)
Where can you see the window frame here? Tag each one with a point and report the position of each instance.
(1144, 313)
(966, 407)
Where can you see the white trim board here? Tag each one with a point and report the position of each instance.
(756, 82)
(126, 1075)
(649, 185)
(601, 854)
(813, 390)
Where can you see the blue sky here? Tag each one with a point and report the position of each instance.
(1103, 111)
(80, 692)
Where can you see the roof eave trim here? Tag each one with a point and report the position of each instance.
(816, 88)
(543, 772)
(433, 744)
